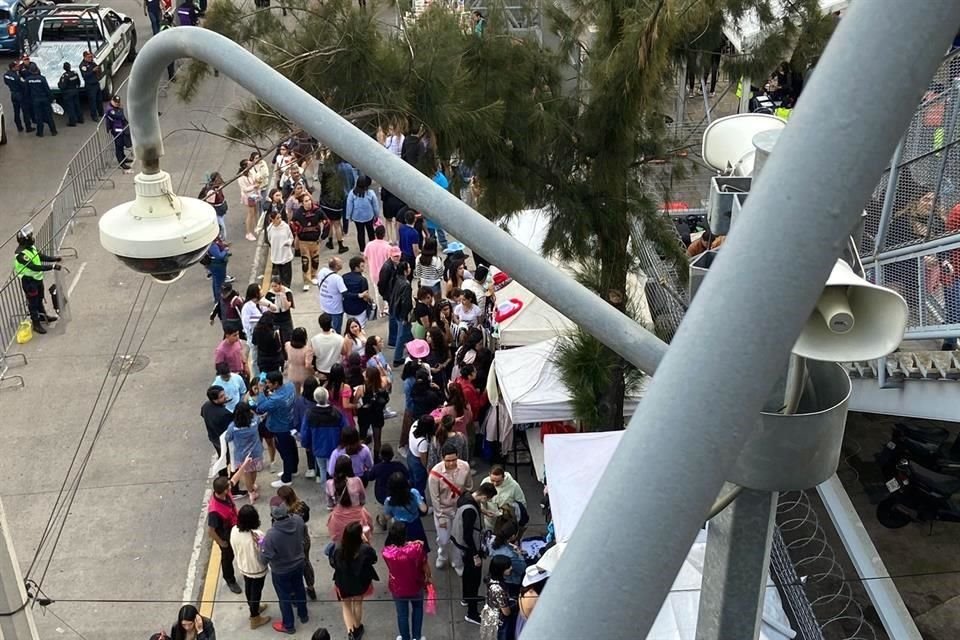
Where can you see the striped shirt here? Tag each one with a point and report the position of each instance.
(430, 274)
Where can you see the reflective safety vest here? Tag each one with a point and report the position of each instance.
(32, 268)
(782, 112)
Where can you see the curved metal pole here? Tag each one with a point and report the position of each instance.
(638, 346)
(671, 463)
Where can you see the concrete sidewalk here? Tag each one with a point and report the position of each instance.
(229, 612)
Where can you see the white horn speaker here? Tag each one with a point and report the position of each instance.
(853, 321)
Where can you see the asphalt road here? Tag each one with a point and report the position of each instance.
(132, 529)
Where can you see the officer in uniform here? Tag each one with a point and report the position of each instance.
(70, 86)
(40, 99)
(17, 96)
(28, 267)
(117, 125)
(187, 14)
(90, 71)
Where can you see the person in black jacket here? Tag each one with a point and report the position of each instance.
(307, 226)
(69, 84)
(465, 535)
(401, 304)
(190, 624)
(40, 99)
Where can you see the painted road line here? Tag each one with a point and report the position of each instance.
(197, 549)
(210, 581)
(76, 279)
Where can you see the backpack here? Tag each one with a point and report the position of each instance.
(457, 533)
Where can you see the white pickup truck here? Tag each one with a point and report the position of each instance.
(63, 33)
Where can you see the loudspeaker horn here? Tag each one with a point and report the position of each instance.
(853, 321)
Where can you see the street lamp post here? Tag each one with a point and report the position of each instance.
(671, 462)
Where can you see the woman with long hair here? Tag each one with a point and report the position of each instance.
(299, 358)
(443, 320)
(341, 393)
(407, 505)
(373, 358)
(497, 608)
(262, 173)
(444, 434)
(363, 207)
(439, 358)
(353, 575)
(249, 197)
(212, 194)
(372, 398)
(360, 456)
(421, 433)
(354, 339)
(429, 267)
(245, 539)
(245, 435)
(289, 497)
(425, 394)
(349, 498)
(454, 277)
(190, 625)
(468, 312)
(266, 338)
(409, 570)
(458, 407)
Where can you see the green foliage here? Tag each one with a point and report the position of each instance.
(505, 106)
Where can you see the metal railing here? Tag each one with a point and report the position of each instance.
(87, 171)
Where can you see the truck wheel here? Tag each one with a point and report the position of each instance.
(133, 46)
(3, 130)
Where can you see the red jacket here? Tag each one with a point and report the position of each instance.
(474, 398)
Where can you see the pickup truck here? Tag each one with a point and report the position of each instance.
(62, 33)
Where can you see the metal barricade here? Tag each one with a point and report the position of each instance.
(13, 310)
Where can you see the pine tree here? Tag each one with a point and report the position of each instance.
(502, 104)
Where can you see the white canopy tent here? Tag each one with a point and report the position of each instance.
(537, 321)
(530, 387)
(583, 456)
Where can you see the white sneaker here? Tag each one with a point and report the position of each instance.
(399, 637)
(402, 451)
(459, 570)
(315, 281)
(306, 287)
(276, 484)
(310, 474)
(251, 237)
(280, 473)
(319, 480)
(389, 413)
(441, 563)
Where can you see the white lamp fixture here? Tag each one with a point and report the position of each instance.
(728, 142)
(159, 233)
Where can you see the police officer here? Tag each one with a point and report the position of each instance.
(187, 14)
(90, 71)
(70, 86)
(16, 85)
(28, 267)
(40, 99)
(117, 125)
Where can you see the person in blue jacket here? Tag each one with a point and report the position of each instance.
(276, 402)
(320, 431)
(15, 83)
(219, 254)
(40, 99)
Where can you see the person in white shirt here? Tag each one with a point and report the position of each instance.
(250, 312)
(282, 164)
(326, 346)
(249, 197)
(331, 289)
(280, 239)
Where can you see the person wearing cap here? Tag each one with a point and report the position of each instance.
(91, 73)
(69, 84)
(28, 266)
(16, 84)
(118, 128)
(40, 99)
(283, 551)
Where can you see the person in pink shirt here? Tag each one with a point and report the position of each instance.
(230, 350)
(409, 576)
(375, 254)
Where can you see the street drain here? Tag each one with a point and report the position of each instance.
(128, 364)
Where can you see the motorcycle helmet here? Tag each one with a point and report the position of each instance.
(25, 235)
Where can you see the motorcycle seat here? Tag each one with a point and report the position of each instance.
(934, 435)
(942, 483)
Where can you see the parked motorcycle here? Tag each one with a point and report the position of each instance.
(918, 494)
(926, 445)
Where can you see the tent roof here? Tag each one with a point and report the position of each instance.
(530, 384)
(582, 457)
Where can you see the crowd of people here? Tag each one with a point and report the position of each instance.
(317, 405)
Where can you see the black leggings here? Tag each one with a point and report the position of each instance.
(361, 238)
(253, 590)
